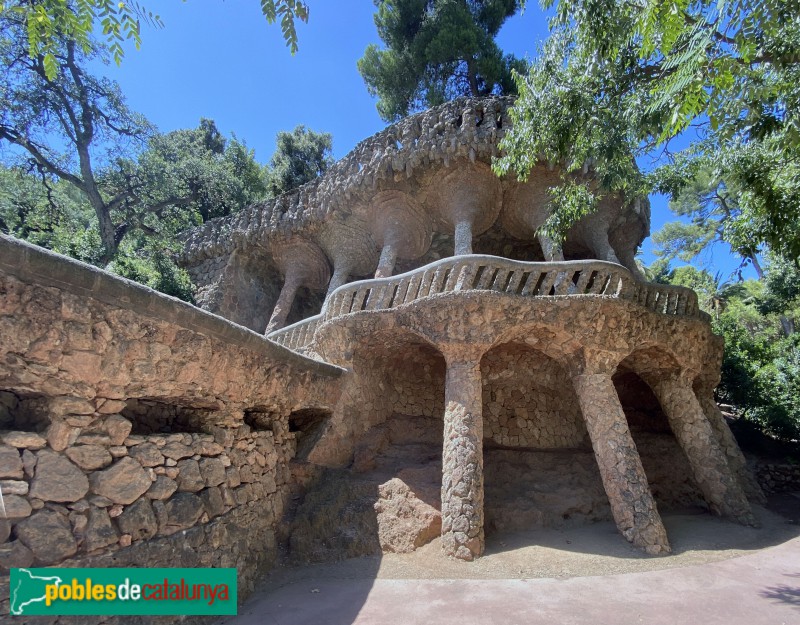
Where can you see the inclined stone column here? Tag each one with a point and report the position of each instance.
(302, 264)
(462, 460)
(730, 448)
(350, 248)
(400, 228)
(699, 443)
(387, 260)
(341, 272)
(621, 470)
(284, 304)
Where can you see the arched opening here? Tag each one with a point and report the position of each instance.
(405, 387)
(388, 499)
(539, 470)
(307, 425)
(665, 464)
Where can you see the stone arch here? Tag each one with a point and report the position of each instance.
(538, 465)
(402, 384)
(672, 386)
(553, 342)
(668, 472)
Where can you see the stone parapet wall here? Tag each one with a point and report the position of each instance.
(133, 424)
(71, 495)
(778, 477)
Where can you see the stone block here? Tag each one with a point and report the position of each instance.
(212, 501)
(15, 555)
(58, 435)
(10, 463)
(183, 511)
(190, 479)
(23, 440)
(57, 479)
(99, 531)
(138, 520)
(147, 454)
(212, 470)
(16, 507)
(48, 535)
(123, 482)
(118, 428)
(89, 457)
(162, 488)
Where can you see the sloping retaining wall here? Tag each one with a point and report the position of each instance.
(137, 430)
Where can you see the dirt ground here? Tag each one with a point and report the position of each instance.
(589, 550)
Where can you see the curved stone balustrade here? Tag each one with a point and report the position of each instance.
(492, 273)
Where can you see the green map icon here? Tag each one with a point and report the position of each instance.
(27, 589)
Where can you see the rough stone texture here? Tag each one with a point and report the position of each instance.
(212, 470)
(778, 478)
(405, 522)
(462, 462)
(525, 403)
(89, 457)
(138, 520)
(700, 444)
(16, 507)
(123, 482)
(190, 479)
(733, 455)
(47, 534)
(99, 531)
(162, 488)
(26, 440)
(183, 510)
(10, 462)
(621, 469)
(57, 479)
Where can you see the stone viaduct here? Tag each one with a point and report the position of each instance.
(395, 328)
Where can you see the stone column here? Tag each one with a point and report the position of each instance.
(730, 448)
(284, 304)
(341, 273)
(552, 251)
(621, 470)
(462, 461)
(463, 238)
(699, 442)
(387, 261)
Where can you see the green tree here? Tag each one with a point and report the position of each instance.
(437, 50)
(66, 125)
(48, 22)
(619, 78)
(761, 361)
(299, 157)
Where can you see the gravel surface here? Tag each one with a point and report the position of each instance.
(587, 550)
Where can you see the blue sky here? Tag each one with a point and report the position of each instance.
(221, 60)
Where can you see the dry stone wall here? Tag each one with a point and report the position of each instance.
(136, 430)
(528, 401)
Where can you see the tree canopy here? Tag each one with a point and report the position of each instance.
(437, 50)
(619, 78)
(300, 156)
(48, 22)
